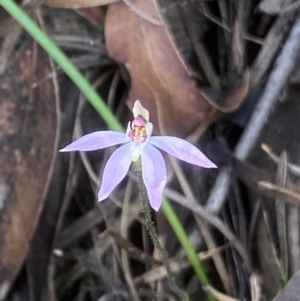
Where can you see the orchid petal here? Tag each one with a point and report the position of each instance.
(182, 150)
(149, 129)
(96, 140)
(115, 170)
(154, 174)
(128, 128)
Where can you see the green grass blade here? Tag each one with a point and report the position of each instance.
(186, 244)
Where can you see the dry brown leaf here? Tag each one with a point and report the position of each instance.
(27, 135)
(159, 78)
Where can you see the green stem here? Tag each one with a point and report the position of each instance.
(153, 235)
(192, 255)
(186, 244)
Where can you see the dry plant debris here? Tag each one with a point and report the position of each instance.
(29, 139)
(222, 72)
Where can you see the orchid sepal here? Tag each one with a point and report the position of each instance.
(139, 144)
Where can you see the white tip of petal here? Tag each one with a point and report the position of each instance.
(139, 110)
(212, 165)
(102, 198)
(128, 128)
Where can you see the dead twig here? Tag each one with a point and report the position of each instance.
(293, 168)
(177, 266)
(207, 235)
(283, 68)
(281, 211)
(228, 29)
(272, 43)
(124, 225)
(211, 219)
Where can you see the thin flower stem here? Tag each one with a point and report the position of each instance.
(153, 235)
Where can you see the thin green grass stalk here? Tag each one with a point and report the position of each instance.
(186, 244)
(282, 272)
(97, 102)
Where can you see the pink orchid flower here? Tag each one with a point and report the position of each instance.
(138, 143)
